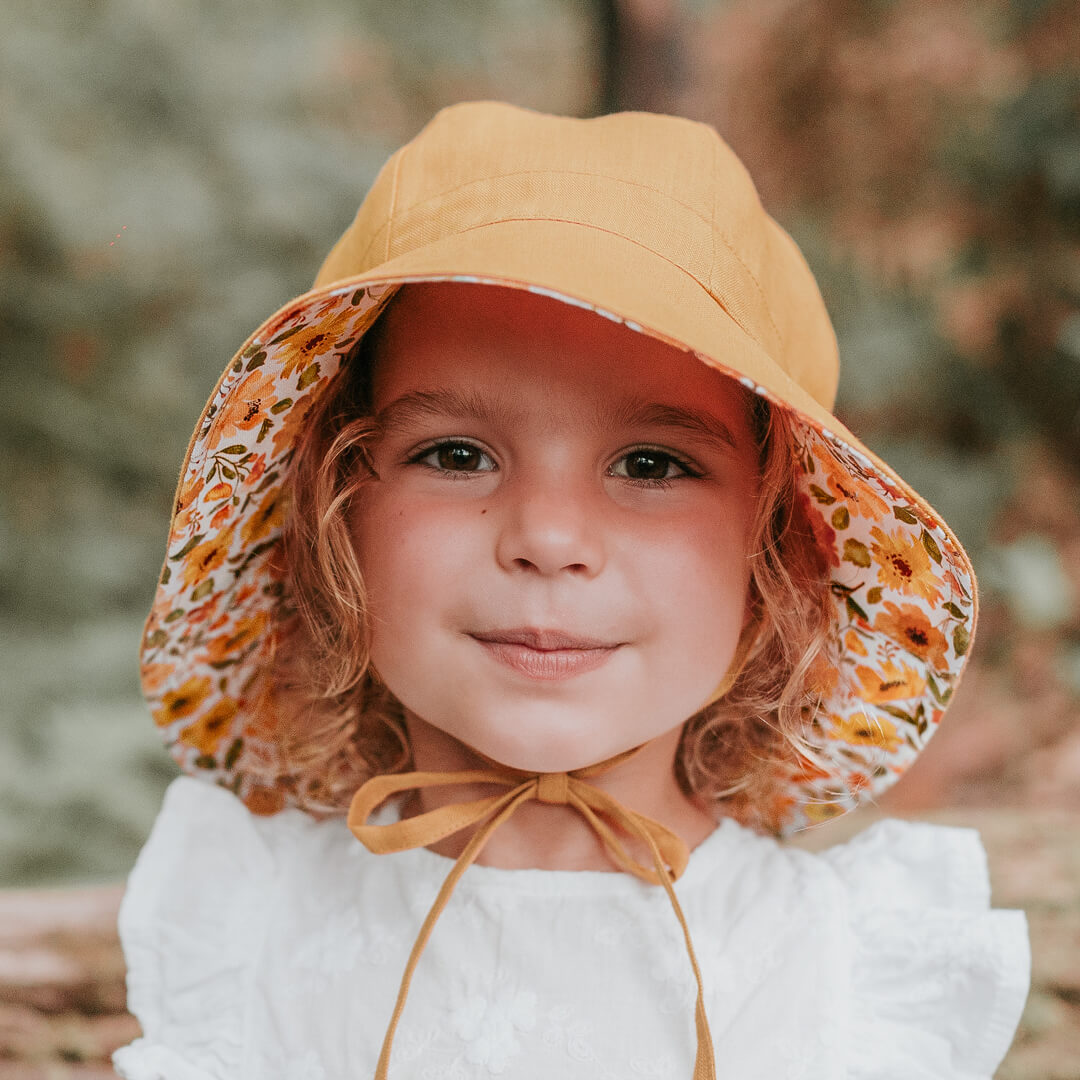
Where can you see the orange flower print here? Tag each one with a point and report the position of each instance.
(256, 467)
(858, 729)
(218, 492)
(203, 559)
(221, 516)
(267, 516)
(910, 626)
(314, 340)
(204, 611)
(890, 683)
(153, 675)
(903, 564)
(858, 497)
(187, 505)
(854, 644)
(245, 592)
(182, 702)
(205, 734)
(246, 408)
(243, 633)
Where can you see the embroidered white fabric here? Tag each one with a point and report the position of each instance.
(267, 948)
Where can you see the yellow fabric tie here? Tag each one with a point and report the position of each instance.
(669, 852)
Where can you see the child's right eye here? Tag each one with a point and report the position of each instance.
(454, 457)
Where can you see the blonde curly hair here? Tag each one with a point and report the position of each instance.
(342, 725)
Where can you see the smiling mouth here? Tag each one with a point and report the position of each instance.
(548, 664)
(544, 640)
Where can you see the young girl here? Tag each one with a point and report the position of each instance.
(527, 542)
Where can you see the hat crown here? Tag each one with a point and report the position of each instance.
(668, 184)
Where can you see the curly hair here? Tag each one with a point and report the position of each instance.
(342, 725)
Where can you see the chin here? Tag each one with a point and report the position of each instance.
(546, 748)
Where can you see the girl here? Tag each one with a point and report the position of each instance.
(527, 541)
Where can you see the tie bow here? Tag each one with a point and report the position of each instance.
(604, 813)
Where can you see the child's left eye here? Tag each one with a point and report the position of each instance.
(654, 465)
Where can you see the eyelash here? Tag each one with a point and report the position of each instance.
(427, 451)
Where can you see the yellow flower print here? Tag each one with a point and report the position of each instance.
(911, 627)
(316, 339)
(859, 498)
(243, 633)
(205, 734)
(818, 812)
(890, 683)
(268, 516)
(858, 729)
(854, 644)
(205, 558)
(246, 408)
(183, 702)
(903, 564)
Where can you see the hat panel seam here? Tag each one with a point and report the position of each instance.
(660, 255)
(709, 221)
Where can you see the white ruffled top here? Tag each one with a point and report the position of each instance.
(266, 948)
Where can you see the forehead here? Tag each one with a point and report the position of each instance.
(486, 340)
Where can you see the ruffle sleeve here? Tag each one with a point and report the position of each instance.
(939, 979)
(191, 924)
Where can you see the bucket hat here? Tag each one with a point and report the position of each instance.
(648, 220)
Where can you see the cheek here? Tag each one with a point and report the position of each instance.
(411, 559)
(696, 580)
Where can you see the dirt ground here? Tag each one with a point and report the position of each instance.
(62, 996)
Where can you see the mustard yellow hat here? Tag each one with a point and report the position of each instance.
(651, 221)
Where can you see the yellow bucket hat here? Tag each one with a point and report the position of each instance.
(651, 221)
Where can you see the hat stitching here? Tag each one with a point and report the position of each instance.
(645, 247)
(709, 221)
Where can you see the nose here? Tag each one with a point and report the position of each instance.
(548, 524)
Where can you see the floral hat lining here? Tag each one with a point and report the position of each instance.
(902, 593)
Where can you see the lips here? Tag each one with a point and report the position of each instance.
(544, 640)
(546, 655)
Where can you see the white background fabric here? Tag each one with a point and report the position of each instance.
(267, 948)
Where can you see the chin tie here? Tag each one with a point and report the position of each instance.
(604, 814)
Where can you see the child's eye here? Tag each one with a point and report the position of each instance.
(451, 457)
(644, 467)
(649, 468)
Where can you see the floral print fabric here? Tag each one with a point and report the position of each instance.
(901, 587)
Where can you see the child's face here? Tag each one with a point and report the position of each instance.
(535, 505)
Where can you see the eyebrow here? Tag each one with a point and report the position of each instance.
(417, 405)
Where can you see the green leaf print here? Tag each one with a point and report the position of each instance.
(841, 519)
(855, 551)
(961, 639)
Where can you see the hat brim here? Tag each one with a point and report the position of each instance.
(902, 586)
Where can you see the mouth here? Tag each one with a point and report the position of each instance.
(546, 655)
(544, 640)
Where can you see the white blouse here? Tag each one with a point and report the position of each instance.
(266, 948)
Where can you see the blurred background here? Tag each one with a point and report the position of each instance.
(172, 172)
